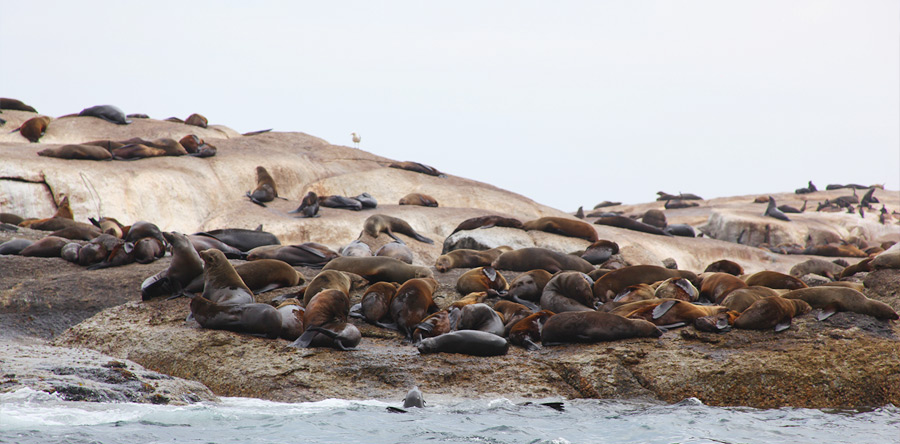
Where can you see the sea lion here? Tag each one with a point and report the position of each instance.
(742, 298)
(468, 342)
(14, 246)
(681, 196)
(108, 113)
(718, 323)
(377, 269)
(471, 298)
(376, 303)
(396, 250)
(77, 152)
(774, 279)
(357, 248)
(563, 227)
(185, 266)
(531, 258)
(864, 265)
(242, 239)
(412, 303)
(633, 293)
(716, 286)
(771, 312)
(341, 202)
(196, 120)
(265, 275)
(833, 299)
(676, 204)
(629, 224)
(69, 252)
(422, 200)
(436, 324)
(33, 129)
(606, 203)
(677, 288)
(309, 206)
(250, 318)
(672, 313)
(109, 225)
(511, 312)
(417, 167)
(527, 332)
(147, 250)
(307, 254)
(50, 246)
(681, 230)
(98, 249)
(725, 266)
(291, 313)
(50, 224)
(10, 218)
(326, 323)
(810, 188)
(654, 218)
(330, 280)
(191, 143)
(202, 243)
(488, 222)
(886, 260)
(480, 317)
(610, 284)
(568, 291)
(481, 279)
(529, 286)
(221, 283)
(205, 150)
(594, 326)
(366, 200)
(600, 251)
(81, 231)
(465, 258)
(816, 266)
(773, 211)
(380, 223)
(265, 190)
(787, 209)
(833, 250)
(15, 105)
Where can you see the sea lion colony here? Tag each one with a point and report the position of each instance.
(598, 299)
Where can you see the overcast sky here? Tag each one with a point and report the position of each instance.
(568, 102)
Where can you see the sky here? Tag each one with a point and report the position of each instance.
(569, 103)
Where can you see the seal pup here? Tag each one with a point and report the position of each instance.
(594, 326)
(265, 190)
(309, 206)
(773, 211)
(108, 113)
(467, 342)
(481, 279)
(563, 227)
(34, 128)
(511, 312)
(771, 312)
(436, 324)
(380, 223)
(422, 200)
(366, 200)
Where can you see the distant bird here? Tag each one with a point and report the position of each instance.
(356, 139)
(773, 211)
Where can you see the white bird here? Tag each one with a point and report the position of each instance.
(356, 139)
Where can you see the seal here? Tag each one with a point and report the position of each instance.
(413, 303)
(886, 260)
(436, 324)
(137, 151)
(202, 243)
(654, 218)
(742, 298)
(481, 279)
(568, 291)
(422, 200)
(817, 266)
(291, 313)
(366, 200)
(326, 323)
(681, 196)
(563, 227)
(527, 332)
(142, 229)
(629, 224)
(531, 258)
(725, 266)
(610, 284)
(265, 190)
(831, 299)
(606, 203)
(677, 288)
(309, 206)
(380, 223)
(81, 231)
(50, 246)
(356, 248)
(108, 113)
(196, 120)
(10, 218)
(341, 202)
(109, 225)
(594, 326)
(147, 250)
(242, 239)
(185, 266)
(307, 254)
(681, 230)
(221, 283)
(15, 105)
(771, 312)
(376, 303)
(716, 286)
(678, 204)
(632, 293)
(417, 167)
(396, 250)
(488, 222)
(15, 246)
(480, 317)
(773, 211)
(861, 266)
(378, 269)
(98, 249)
(511, 313)
(774, 279)
(673, 313)
(465, 258)
(250, 318)
(528, 286)
(832, 250)
(467, 342)
(33, 129)
(69, 252)
(331, 280)
(265, 275)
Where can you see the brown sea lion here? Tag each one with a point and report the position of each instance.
(76, 152)
(147, 250)
(629, 224)
(771, 312)
(185, 266)
(191, 143)
(677, 288)
(862, 266)
(436, 324)
(610, 284)
(634, 293)
(532, 258)
(331, 280)
(64, 209)
(250, 318)
(716, 286)
(816, 266)
(137, 151)
(396, 250)
(672, 313)
(725, 266)
(774, 279)
(309, 206)
(527, 332)
(600, 251)
(357, 248)
(718, 323)
(221, 283)
(471, 298)
(680, 196)
(488, 222)
(481, 279)
(568, 291)
(833, 299)
(202, 243)
(465, 258)
(15, 105)
(377, 269)
(467, 342)
(511, 313)
(268, 274)
(50, 246)
(380, 223)
(98, 249)
(325, 320)
(422, 200)
(196, 120)
(833, 250)
(307, 254)
(678, 203)
(413, 303)
(654, 218)
(480, 317)
(417, 168)
(594, 326)
(10, 218)
(529, 286)
(109, 225)
(291, 313)
(564, 227)
(742, 298)
(81, 231)
(376, 303)
(265, 190)
(888, 260)
(142, 229)
(33, 129)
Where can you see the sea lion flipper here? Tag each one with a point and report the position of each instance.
(783, 325)
(826, 312)
(305, 339)
(490, 273)
(668, 327)
(389, 233)
(662, 309)
(356, 311)
(387, 325)
(421, 238)
(424, 326)
(530, 345)
(557, 405)
(310, 250)
(396, 410)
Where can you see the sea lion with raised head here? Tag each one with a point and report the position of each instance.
(396, 250)
(771, 312)
(832, 299)
(412, 303)
(568, 291)
(564, 227)
(331, 280)
(594, 326)
(422, 200)
(773, 211)
(465, 258)
(481, 279)
(221, 283)
(488, 222)
(108, 113)
(309, 206)
(185, 266)
(531, 258)
(377, 269)
(265, 190)
(467, 342)
(610, 284)
(381, 223)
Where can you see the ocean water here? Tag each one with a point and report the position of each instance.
(28, 416)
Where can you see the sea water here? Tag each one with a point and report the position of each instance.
(28, 416)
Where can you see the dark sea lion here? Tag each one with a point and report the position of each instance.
(529, 286)
(196, 120)
(467, 342)
(654, 218)
(511, 312)
(671, 313)
(610, 284)
(396, 250)
(742, 298)
(309, 206)
(367, 201)
(531, 258)
(33, 129)
(681, 196)
(771, 312)
(787, 209)
(436, 324)
(108, 113)
(122, 253)
(481, 279)
(810, 188)
(868, 199)
(291, 313)
(527, 332)
(629, 224)
(480, 317)
(265, 190)
(378, 269)
(99, 249)
(465, 258)
(185, 266)
(330, 280)
(422, 200)
(221, 283)
(412, 303)
(70, 251)
(307, 254)
(563, 227)
(774, 279)
(725, 266)
(202, 243)
(833, 299)
(677, 288)
(833, 250)
(817, 266)
(50, 246)
(326, 323)
(579, 213)
(417, 167)
(682, 230)
(205, 150)
(594, 326)
(268, 274)
(340, 202)
(109, 225)
(600, 251)
(14, 246)
(380, 223)
(716, 286)
(142, 229)
(357, 248)
(15, 105)
(376, 303)
(76, 152)
(250, 318)
(678, 203)
(81, 231)
(147, 250)
(10, 218)
(488, 222)
(606, 203)
(242, 239)
(568, 291)
(773, 211)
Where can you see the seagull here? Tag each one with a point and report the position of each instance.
(356, 139)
